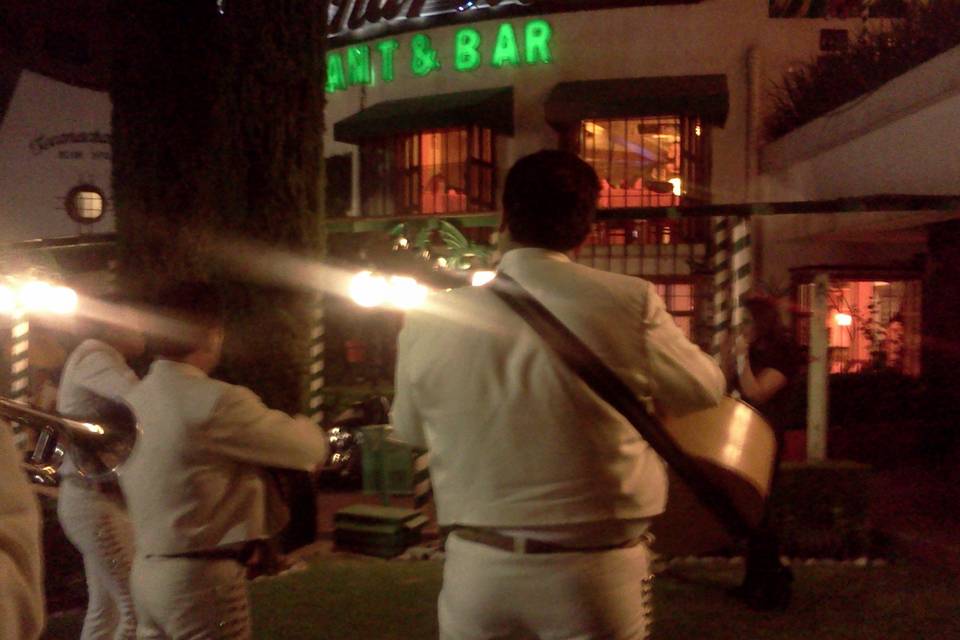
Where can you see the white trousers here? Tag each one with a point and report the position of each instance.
(190, 599)
(489, 593)
(98, 526)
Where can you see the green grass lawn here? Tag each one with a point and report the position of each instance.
(344, 597)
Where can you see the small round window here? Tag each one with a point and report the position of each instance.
(85, 203)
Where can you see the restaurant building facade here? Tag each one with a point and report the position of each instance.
(429, 102)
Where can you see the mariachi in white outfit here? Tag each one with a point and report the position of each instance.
(21, 566)
(198, 492)
(93, 516)
(549, 490)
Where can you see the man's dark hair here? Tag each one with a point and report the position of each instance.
(550, 200)
(188, 310)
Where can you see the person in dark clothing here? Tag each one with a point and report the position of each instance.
(770, 362)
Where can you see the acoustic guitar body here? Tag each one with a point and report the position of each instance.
(735, 447)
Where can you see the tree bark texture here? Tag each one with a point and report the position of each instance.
(217, 144)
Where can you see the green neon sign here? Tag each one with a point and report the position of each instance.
(466, 55)
(505, 51)
(359, 70)
(511, 47)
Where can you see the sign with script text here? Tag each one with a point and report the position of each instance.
(360, 20)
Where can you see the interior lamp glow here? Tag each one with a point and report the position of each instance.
(480, 278)
(368, 290)
(843, 319)
(677, 184)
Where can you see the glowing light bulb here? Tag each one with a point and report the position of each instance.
(843, 319)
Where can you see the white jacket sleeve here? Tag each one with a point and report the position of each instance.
(104, 376)
(21, 568)
(404, 415)
(243, 428)
(684, 378)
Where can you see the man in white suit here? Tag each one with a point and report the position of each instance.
(198, 491)
(21, 566)
(547, 489)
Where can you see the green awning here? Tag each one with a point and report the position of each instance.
(491, 108)
(703, 96)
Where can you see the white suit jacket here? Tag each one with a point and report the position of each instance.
(196, 478)
(93, 374)
(516, 439)
(21, 567)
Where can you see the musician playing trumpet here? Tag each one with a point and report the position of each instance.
(761, 363)
(93, 514)
(199, 495)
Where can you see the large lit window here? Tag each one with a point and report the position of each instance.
(871, 324)
(432, 172)
(646, 162)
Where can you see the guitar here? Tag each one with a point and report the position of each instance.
(734, 447)
(724, 454)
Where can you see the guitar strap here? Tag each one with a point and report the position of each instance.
(610, 387)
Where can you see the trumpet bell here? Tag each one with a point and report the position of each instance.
(97, 448)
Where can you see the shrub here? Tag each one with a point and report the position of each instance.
(827, 82)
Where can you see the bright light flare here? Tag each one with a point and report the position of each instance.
(43, 297)
(843, 319)
(401, 292)
(8, 300)
(93, 428)
(369, 290)
(480, 278)
(406, 293)
(36, 296)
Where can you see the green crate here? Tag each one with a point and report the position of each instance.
(387, 463)
(374, 530)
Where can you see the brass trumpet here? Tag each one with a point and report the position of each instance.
(96, 448)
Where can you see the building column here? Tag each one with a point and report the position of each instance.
(818, 372)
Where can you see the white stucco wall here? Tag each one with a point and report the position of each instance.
(712, 37)
(901, 139)
(34, 182)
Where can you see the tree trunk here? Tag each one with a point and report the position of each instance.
(217, 144)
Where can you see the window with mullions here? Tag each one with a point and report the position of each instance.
(681, 304)
(654, 161)
(431, 172)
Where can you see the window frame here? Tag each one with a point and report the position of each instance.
(70, 203)
(395, 186)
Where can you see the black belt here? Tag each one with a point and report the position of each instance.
(513, 544)
(237, 554)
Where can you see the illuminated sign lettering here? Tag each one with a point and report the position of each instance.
(350, 15)
(356, 64)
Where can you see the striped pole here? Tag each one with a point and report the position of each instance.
(721, 283)
(422, 489)
(317, 362)
(19, 365)
(741, 266)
